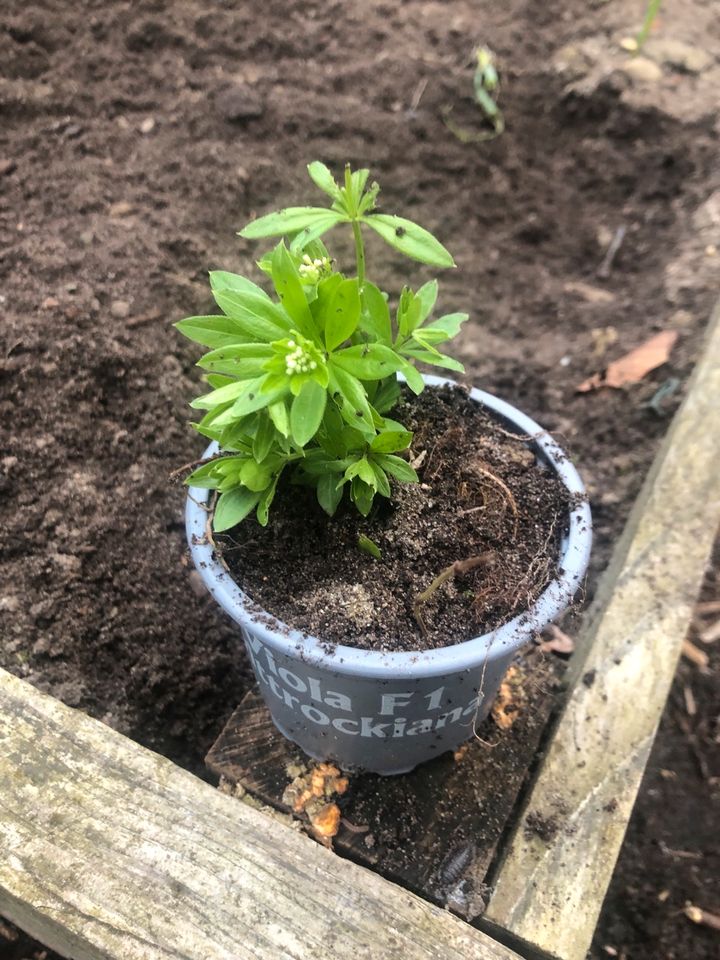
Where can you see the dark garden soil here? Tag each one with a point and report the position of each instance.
(483, 503)
(135, 139)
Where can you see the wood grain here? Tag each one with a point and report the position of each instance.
(110, 851)
(550, 887)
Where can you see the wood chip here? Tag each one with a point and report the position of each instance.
(707, 607)
(711, 634)
(702, 917)
(634, 365)
(695, 655)
(690, 704)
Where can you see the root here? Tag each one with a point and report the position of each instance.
(458, 568)
(507, 492)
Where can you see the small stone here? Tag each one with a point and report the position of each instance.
(148, 125)
(711, 250)
(120, 309)
(238, 103)
(87, 237)
(120, 209)
(7, 166)
(678, 54)
(630, 44)
(196, 584)
(49, 303)
(9, 604)
(588, 292)
(642, 70)
(681, 318)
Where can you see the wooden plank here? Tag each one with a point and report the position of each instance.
(110, 851)
(550, 888)
(433, 830)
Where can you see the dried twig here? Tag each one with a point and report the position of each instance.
(695, 655)
(606, 266)
(458, 568)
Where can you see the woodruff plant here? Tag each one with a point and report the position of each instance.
(306, 383)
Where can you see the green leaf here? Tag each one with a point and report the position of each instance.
(409, 238)
(397, 467)
(342, 313)
(307, 238)
(375, 318)
(307, 412)
(321, 177)
(224, 282)
(390, 441)
(232, 507)
(362, 495)
(278, 413)
(264, 437)
(413, 377)
(352, 400)
(382, 482)
(258, 318)
(449, 326)
(225, 394)
(205, 477)
(266, 498)
(242, 361)
(408, 313)
(369, 546)
(253, 397)
(329, 494)
(427, 295)
(211, 331)
(387, 396)
(289, 288)
(435, 359)
(289, 220)
(254, 476)
(369, 361)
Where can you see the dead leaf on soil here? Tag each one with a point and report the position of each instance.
(634, 365)
(557, 642)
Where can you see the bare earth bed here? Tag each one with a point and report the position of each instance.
(135, 139)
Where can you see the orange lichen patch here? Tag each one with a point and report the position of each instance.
(460, 752)
(326, 821)
(309, 793)
(510, 699)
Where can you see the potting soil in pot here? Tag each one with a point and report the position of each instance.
(483, 504)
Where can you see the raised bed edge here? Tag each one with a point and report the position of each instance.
(110, 851)
(550, 887)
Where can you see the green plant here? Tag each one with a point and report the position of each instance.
(307, 381)
(486, 86)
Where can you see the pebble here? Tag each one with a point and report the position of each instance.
(49, 303)
(120, 209)
(7, 166)
(9, 604)
(642, 70)
(238, 103)
(148, 125)
(120, 309)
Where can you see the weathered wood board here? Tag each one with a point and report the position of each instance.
(550, 887)
(435, 830)
(110, 851)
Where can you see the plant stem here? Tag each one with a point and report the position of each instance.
(653, 8)
(359, 254)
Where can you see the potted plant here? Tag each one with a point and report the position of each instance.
(398, 550)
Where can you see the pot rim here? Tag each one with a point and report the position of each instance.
(468, 655)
